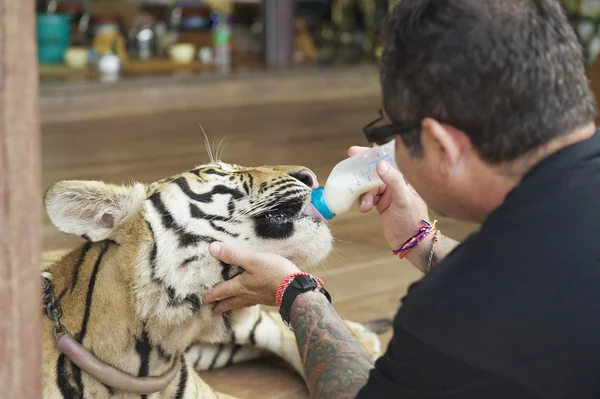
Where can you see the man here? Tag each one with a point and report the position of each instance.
(494, 123)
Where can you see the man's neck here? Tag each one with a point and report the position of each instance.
(519, 168)
(504, 178)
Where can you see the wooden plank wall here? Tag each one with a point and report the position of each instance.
(20, 194)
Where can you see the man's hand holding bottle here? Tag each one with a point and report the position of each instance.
(401, 210)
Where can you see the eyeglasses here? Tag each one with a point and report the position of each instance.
(385, 133)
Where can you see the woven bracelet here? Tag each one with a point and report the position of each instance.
(412, 242)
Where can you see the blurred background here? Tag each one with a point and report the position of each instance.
(128, 86)
(163, 36)
(95, 39)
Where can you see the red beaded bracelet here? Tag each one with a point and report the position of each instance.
(287, 281)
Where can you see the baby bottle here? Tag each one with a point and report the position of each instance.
(351, 178)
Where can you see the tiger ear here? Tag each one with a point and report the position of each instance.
(91, 209)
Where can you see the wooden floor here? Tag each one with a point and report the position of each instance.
(366, 282)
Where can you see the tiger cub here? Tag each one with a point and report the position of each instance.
(132, 294)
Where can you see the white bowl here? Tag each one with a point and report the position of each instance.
(182, 53)
(77, 57)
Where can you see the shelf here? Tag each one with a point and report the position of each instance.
(138, 68)
(158, 2)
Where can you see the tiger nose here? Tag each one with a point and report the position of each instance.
(306, 177)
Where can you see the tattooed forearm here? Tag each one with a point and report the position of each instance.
(335, 363)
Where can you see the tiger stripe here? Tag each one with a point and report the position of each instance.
(162, 354)
(90, 293)
(183, 379)
(252, 337)
(185, 238)
(77, 391)
(84, 252)
(214, 361)
(143, 348)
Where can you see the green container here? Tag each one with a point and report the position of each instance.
(53, 37)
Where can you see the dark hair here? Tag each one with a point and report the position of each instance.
(508, 73)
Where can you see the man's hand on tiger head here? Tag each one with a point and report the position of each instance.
(263, 273)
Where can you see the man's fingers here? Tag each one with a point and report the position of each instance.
(356, 150)
(230, 304)
(394, 180)
(368, 200)
(365, 202)
(230, 255)
(226, 289)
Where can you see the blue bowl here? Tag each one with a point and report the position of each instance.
(53, 37)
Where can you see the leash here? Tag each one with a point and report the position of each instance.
(86, 361)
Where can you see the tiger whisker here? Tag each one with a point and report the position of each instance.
(213, 150)
(220, 156)
(337, 253)
(207, 144)
(270, 206)
(217, 155)
(262, 205)
(343, 241)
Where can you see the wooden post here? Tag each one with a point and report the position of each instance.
(20, 204)
(279, 26)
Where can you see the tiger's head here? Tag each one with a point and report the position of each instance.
(162, 231)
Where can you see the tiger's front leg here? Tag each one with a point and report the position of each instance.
(205, 357)
(239, 346)
(262, 333)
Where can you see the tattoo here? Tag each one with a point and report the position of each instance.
(335, 363)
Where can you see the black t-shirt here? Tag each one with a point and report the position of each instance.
(514, 311)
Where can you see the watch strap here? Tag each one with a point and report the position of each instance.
(299, 285)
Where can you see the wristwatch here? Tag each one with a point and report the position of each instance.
(300, 284)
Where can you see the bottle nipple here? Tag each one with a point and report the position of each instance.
(318, 201)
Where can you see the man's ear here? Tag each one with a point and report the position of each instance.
(449, 143)
(91, 209)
